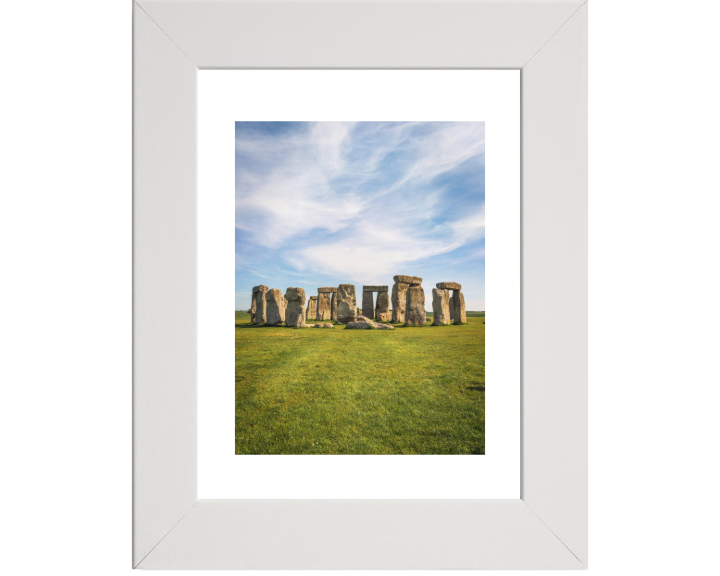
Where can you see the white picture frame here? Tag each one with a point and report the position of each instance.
(547, 527)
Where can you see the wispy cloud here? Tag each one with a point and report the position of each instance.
(359, 201)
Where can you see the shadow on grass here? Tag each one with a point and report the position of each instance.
(477, 388)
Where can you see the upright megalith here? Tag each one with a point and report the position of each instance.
(333, 307)
(457, 301)
(346, 303)
(415, 306)
(311, 313)
(441, 307)
(382, 307)
(275, 307)
(295, 312)
(253, 305)
(459, 307)
(324, 306)
(260, 315)
(368, 307)
(399, 297)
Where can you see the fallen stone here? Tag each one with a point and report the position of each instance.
(346, 304)
(295, 312)
(441, 307)
(324, 325)
(448, 286)
(275, 308)
(360, 325)
(364, 319)
(412, 280)
(459, 316)
(375, 288)
(368, 308)
(384, 317)
(399, 297)
(384, 327)
(415, 306)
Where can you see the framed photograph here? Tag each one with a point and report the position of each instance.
(381, 171)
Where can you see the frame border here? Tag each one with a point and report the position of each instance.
(547, 528)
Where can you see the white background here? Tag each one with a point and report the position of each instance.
(65, 290)
(225, 96)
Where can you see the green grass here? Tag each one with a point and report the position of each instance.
(335, 391)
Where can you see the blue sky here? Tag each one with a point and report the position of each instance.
(329, 203)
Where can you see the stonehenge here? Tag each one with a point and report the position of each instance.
(369, 308)
(441, 307)
(346, 304)
(269, 306)
(457, 303)
(258, 309)
(311, 313)
(295, 312)
(275, 308)
(324, 303)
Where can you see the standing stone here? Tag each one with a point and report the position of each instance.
(333, 308)
(253, 305)
(324, 309)
(260, 304)
(415, 306)
(399, 297)
(441, 307)
(382, 307)
(367, 304)
(312, 308)
(275, 307)
(346, 303)
(459, 307)
(295, 313)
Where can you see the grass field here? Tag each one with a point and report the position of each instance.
(413, 390)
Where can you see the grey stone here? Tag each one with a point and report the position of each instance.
(448, 286)
(327, 290)
(383, 316)
(333, 308)
(311, 312)
(360, 325)
(375, 288)
(346, 303)
(382, 305)
(275, 307)
(415, 306)
(324, 310)
(324, 325)
(441, 307)
(368, 309)
(260, 304)
(295, 312)
(364, 319)
(412, 280)
(399, 297)
(384, 327)
(459, 316)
